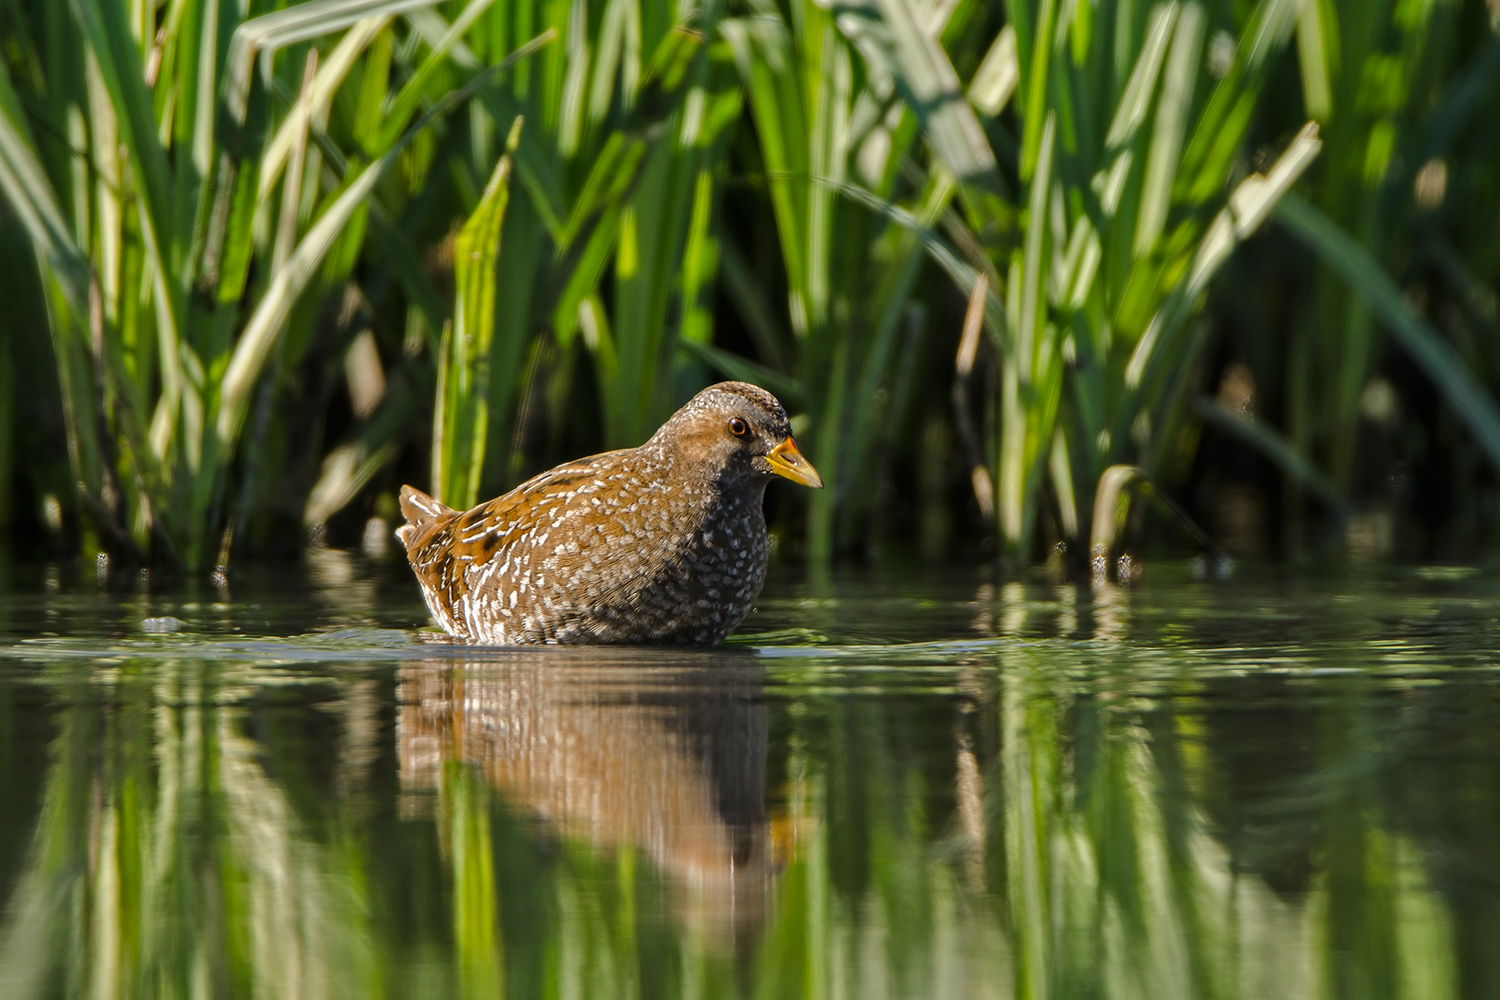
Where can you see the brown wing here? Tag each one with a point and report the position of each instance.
(483, 530)
(445, 546)
(427, 518)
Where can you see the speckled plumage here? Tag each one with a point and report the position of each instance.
(663, 543)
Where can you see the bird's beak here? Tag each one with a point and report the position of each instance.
(787, 461)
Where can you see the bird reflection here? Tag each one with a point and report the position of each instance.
(663, 751)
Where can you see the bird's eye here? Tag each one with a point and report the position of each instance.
(738, 427)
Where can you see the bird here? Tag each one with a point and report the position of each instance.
(661, 544)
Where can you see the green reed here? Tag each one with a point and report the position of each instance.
(151, 906)
(823, 119)
(1391, 220)
(615, 201)
(281, 264)
(179, 226)
(1125, 156)
(1130, 137)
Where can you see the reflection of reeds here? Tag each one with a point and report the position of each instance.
(166, 862)
(673, 767)
(297, 931)
(1078, 819)
(1120, 882)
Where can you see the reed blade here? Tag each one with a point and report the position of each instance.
(462, 418)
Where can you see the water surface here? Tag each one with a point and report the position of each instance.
(916, 785)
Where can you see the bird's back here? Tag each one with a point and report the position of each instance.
(606, 549)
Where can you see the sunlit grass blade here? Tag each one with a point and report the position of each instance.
(1252, 201)
(1170, 124)
(666, 252)
(888, 34)
(405, 103)
(260, 37)
(113, 46)
(271, 313)
(1221, 126)
(332, 72)
(66, 273)
(275, 306)
(1317, 53)
(30, 194)
(1035, 42)
(763, 52)
(593, 223)
(461, 421)
(998, 75)
(1135, 102)
(1030, 382)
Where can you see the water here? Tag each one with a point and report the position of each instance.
(926, 786)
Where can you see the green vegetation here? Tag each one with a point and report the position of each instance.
(263, 271)
(1143, 815)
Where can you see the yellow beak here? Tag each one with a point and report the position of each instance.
(787, 461)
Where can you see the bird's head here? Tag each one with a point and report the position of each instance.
(741, 431)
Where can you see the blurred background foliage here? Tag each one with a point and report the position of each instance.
(268, 262)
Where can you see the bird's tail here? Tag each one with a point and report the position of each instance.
(421, 511)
